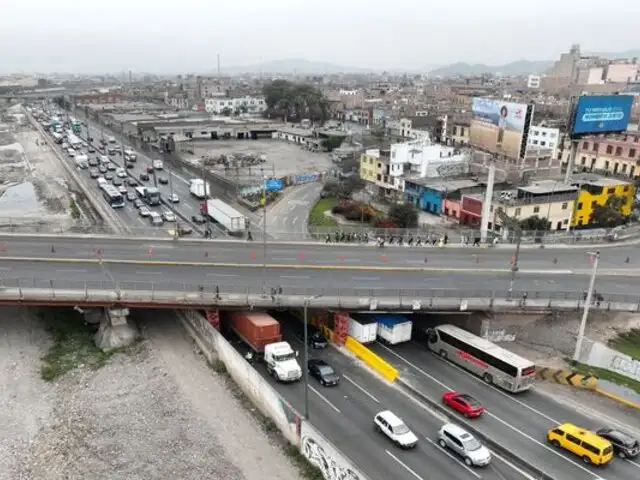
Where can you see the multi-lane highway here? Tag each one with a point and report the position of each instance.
(520, 421)
(345, 415)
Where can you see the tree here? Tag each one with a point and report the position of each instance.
(609, 214)
(404, 215)
(534, 222)
(292, 101)
(226, 111)
(332, 142)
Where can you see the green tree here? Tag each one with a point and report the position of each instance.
(332, 142)
(293, 101)
(74, 210)
(609, 214)
(226, 111)
(404, 215)
(534, 222)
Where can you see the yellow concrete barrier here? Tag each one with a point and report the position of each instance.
(371, 359)
(568, 377)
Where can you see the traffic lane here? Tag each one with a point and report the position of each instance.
(359, 397)
(506, 417)
(320, 282)
(320, 254)
(290, 215)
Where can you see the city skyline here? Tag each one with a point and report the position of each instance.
(132, 36)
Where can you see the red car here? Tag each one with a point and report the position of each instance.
(463, 403)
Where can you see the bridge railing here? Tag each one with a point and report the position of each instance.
(183, 290)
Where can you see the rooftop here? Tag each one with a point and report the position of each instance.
(597, 180)
(545, 187)
(443, 185)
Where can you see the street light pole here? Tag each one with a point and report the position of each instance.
(587, 305)
(264, 230)
(516, 257)
(305, 366)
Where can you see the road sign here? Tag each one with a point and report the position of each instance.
(274, 185)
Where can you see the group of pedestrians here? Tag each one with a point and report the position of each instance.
(430, 239)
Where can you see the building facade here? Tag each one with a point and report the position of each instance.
(245, 104)
(533, 81)
(543, 138)
(596, 191)
(614, 155)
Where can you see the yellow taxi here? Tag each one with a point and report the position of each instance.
(587, 445)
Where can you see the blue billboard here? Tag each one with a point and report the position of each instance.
(602, 114)
(274, 184)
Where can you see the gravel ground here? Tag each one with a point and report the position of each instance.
(158, 412)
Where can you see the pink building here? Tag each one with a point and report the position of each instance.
(451, 208)
(621, 72)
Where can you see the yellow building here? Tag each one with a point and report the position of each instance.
(369, 165)
(597, 191)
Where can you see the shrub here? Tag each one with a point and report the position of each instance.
(385, 223)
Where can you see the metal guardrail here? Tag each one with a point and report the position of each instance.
(33, 289)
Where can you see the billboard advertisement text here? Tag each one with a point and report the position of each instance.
(602, 114)
(498, 127)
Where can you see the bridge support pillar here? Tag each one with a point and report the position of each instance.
(115, 331)
(93, 316)
(213, 317)
(341, 327)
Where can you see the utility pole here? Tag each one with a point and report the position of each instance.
(264, 230)
(486, 205)
(595, 258)
(205, 214)
(512, 224)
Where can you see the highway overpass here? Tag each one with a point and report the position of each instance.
(187, 273)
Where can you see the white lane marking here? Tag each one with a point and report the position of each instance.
(515, 467)
(5, 269)
(295, 219)
(71, 270)
(366, 279)
(495, 417)
(404, 465)
(547, 272)
(295, 277)
(451, 456)
(362, 389)
(146, 272)
(325, 399)
(221, 275)
(637, 465)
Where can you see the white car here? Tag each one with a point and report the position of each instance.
(395, 429)
(461, 442)
(173, 198)
(121, 173)
(168, 216)
(144, 211)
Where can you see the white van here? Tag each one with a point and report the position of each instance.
(102, 182)
(71, 152)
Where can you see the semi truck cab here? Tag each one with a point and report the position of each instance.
(282, 362)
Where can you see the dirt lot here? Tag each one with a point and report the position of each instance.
(281, 158)
(33, 187)
(156, 412)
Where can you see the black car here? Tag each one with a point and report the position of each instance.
(132, 182)
(138, 203)
(315, 338)
(130, 165)
(144, 177)
(323, 372)
(117, 182)
(624, 445)
(92, 150)
(163, 180)
(199, 219)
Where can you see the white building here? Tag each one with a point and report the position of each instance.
(533, 81)
(543, 138)
(422, 157)
(219, 105)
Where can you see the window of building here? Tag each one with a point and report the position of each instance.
(580, 206)
(536, 209)
(585, 145)
(552, 135)
(544, 134)
(594, 204)
(626, 188)
(595, 146)
(624, 168)
(565, 222)
(632, 153)
(551, 144)
(583, 161)
(535, 142)
(517, 212)
(565, 205)
(609, 149)
(618, 151)
(543, 143)
(611, 190)
(606, 165)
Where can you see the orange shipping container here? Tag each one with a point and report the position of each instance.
(256, 329)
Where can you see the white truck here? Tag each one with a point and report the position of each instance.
(82, 161)
(130, 155)
(282, 362)
(363, 328)
(111, 139)
(157, 164)
(393, 329)
(199, 188)
(225, 215)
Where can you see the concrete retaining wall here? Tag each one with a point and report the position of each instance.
(313, 445)
(599, 355)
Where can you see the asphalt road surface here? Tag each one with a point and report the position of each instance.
(520, 421)
(290, 215)
(345, 415)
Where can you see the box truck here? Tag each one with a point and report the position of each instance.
(261, 333)
(224, 215)
(393, 329)
(363, 328)
(199, 188)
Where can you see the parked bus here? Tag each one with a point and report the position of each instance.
(113, 196)
(481, 357)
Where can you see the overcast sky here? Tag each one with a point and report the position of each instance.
(185, 36)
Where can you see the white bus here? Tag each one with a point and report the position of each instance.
(113, 196)
(481, 357)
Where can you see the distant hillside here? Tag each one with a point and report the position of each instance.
(521, 67)
(295, 65)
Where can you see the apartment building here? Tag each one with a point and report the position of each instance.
(544, 138)
(533, 81)
(547, 199)
(460, 132)
(612, 155)
(596, 191)
(375, 170)
(246, 104)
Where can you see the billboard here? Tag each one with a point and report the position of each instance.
(499, 127)
(601, 114)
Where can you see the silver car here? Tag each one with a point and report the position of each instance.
(461, 442)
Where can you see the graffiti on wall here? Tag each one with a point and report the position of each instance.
(499, 335)
(625, 365)
(332, 464)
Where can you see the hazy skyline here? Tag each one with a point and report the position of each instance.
(163, 36)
